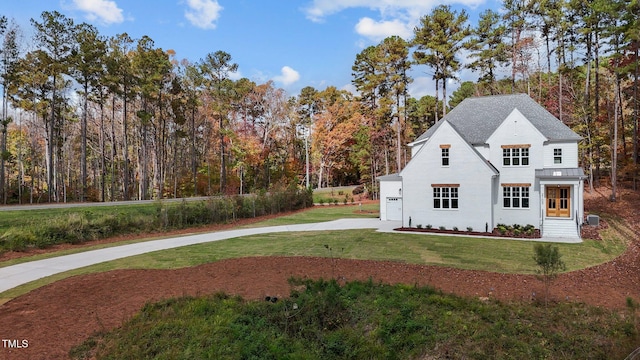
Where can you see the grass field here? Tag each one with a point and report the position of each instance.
(363, 320)
(27, 218)
(337, 194)
(498, 255)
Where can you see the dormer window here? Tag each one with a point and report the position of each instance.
(515, 155)
(557, 156)
(444, 150)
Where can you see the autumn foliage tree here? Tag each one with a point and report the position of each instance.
(150, 125)
(334, 130)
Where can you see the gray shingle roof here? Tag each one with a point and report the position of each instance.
(390, 177)
(477, 118)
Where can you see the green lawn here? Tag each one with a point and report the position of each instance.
(28, 218)
(498, 255)
(322, 213)
(339, 193)
(363, 320)
(312, 215)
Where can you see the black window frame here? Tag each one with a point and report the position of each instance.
(557, 155)
(445, 197)
(517, 156)
(516, 197)
(445, 156)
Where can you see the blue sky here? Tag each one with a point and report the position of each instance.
(295, 43)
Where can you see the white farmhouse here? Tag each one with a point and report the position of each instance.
(492, 160)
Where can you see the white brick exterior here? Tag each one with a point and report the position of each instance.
(467, 170)
(481, 175)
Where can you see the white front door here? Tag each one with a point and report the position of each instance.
(394, 208)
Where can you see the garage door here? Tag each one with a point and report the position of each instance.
(394, 208)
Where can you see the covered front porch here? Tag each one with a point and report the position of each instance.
(561, 200)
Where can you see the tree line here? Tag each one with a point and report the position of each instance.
(88, 117)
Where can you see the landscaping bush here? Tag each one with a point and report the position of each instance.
(81, 226)
(17, 239)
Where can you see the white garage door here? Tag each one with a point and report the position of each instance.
(394, 208)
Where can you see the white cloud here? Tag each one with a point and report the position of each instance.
(203, 13)
(379, 30)
(288, 76)
(421, 86)
(397, 17)
(319, 9)
(350, 88)
(105, 11)
(235, 75)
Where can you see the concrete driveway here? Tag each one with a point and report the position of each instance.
(15, 275)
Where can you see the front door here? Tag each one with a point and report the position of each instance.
(558, 201)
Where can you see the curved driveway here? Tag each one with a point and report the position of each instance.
(15, 275)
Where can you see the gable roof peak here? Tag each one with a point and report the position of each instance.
(477, 118)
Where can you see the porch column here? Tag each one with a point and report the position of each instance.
(543, 204)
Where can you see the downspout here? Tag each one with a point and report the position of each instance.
(495, 189)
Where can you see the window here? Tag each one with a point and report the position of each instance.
(506, 157)
(515, 156)
(445, 157)
(515, 196)
(444, 151)
(445, 197)
(557, 156)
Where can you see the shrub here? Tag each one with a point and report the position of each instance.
(469, 229)
(429, 226)
(442, 228)
(419, 226)
(16, 239)
(358, 190)
(455, 228)
(80, 226)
